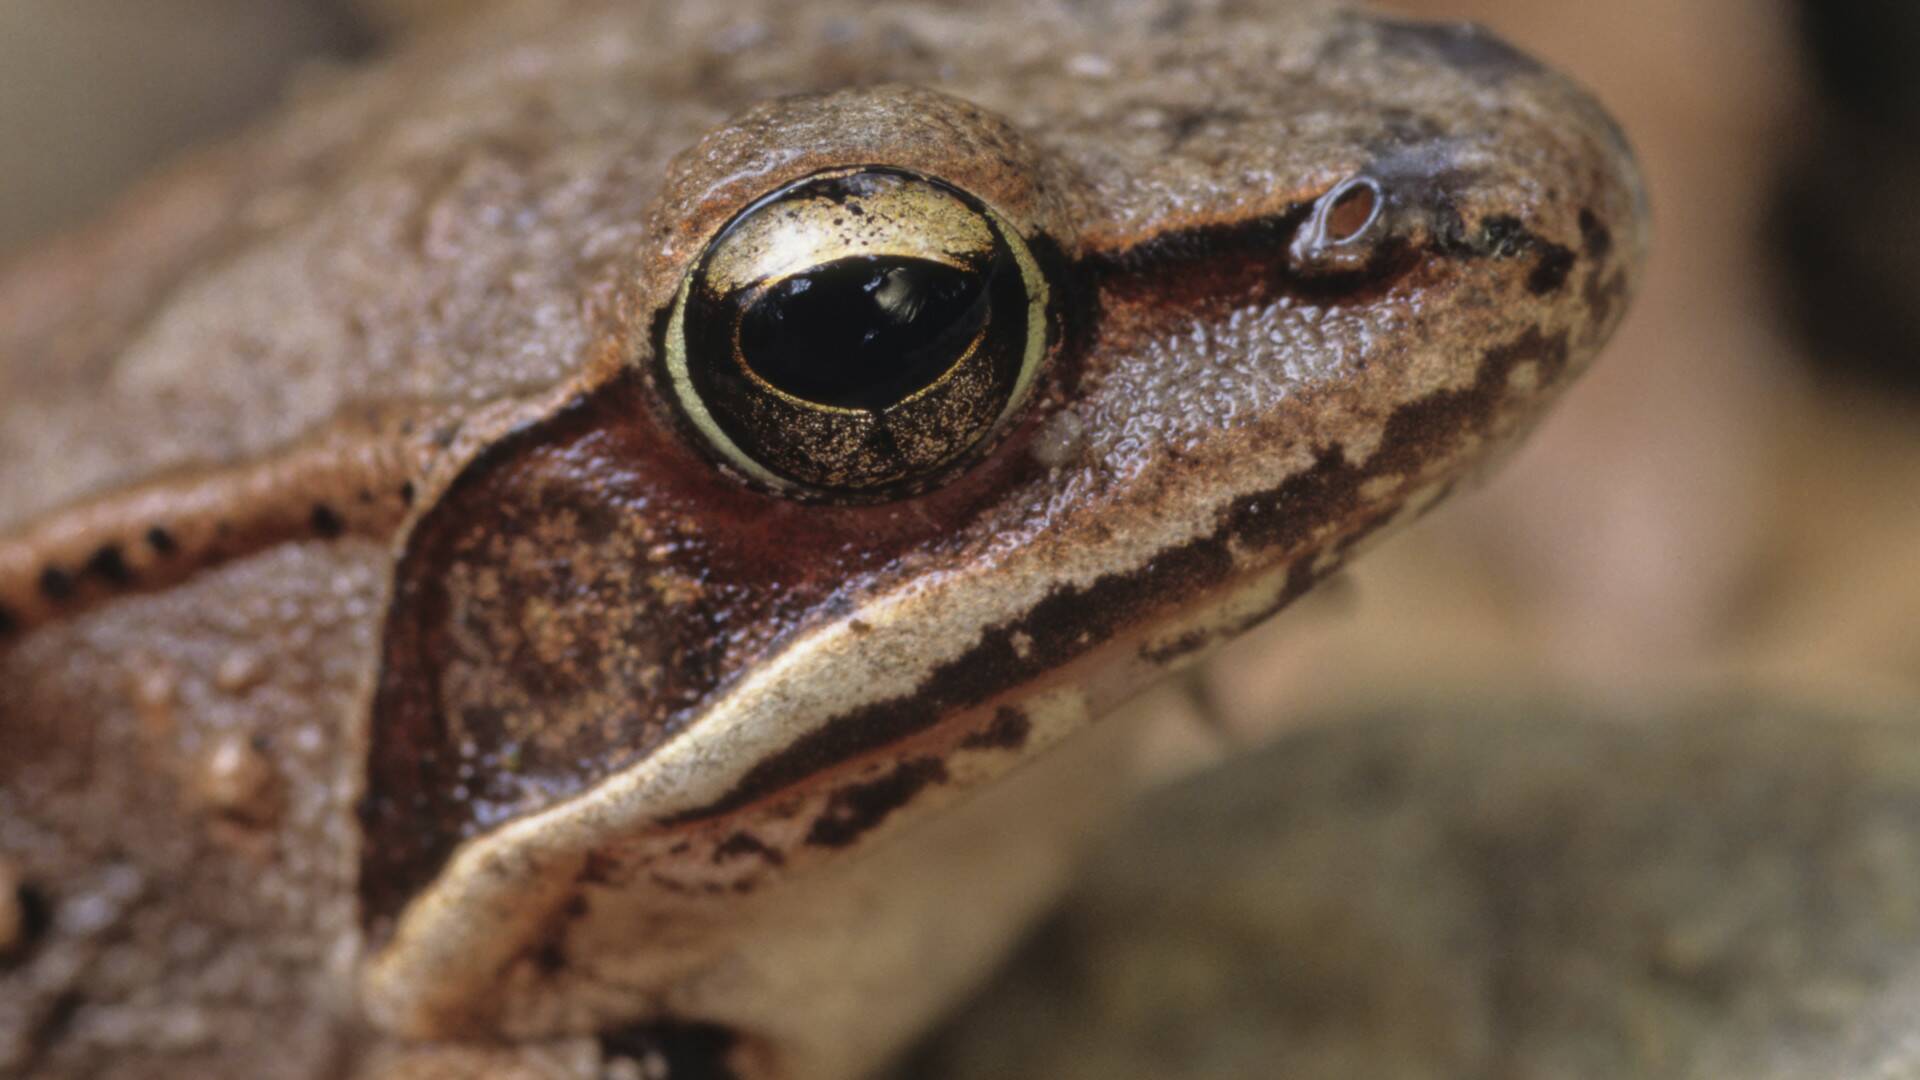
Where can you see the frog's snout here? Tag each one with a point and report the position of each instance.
(1485, 158)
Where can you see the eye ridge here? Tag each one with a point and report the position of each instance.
(858, 332)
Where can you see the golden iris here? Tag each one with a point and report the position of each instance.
(857, 331)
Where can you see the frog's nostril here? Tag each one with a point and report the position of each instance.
(1344, 230)
(1352, 207)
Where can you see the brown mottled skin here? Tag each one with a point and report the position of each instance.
(385, 670)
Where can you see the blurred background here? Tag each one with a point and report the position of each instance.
(1720, 528)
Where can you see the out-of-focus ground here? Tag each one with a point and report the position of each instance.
(1715, 514)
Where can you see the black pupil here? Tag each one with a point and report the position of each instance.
(864, 332)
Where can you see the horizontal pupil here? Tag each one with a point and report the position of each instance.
(864, 332)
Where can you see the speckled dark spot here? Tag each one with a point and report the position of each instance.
(1606, 295)
(1188, 121)
(1418, 428)
(743, 844)
(407, 493)
(550, 954)
(327, 522)
(36, 918)
(550, 958)
(1595, 237)
(672, 885)
(856, 809)
(598, 869)
(109, 564)
(56, 584)
(1504, 237)
(1166, 652)
(1301, 578)
(1507, 237)
(1008, 731)
(689, 1051)
(162, 543)
(1551, 272)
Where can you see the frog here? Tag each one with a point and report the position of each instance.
(599, 543)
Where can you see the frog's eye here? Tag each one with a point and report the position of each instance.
(857, 331)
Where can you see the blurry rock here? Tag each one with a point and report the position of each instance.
(1522, 892)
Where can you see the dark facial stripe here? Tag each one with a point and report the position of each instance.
(1189, 271)
(858, 808)
(1223, 265)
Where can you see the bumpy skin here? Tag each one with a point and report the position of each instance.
(378, 655)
